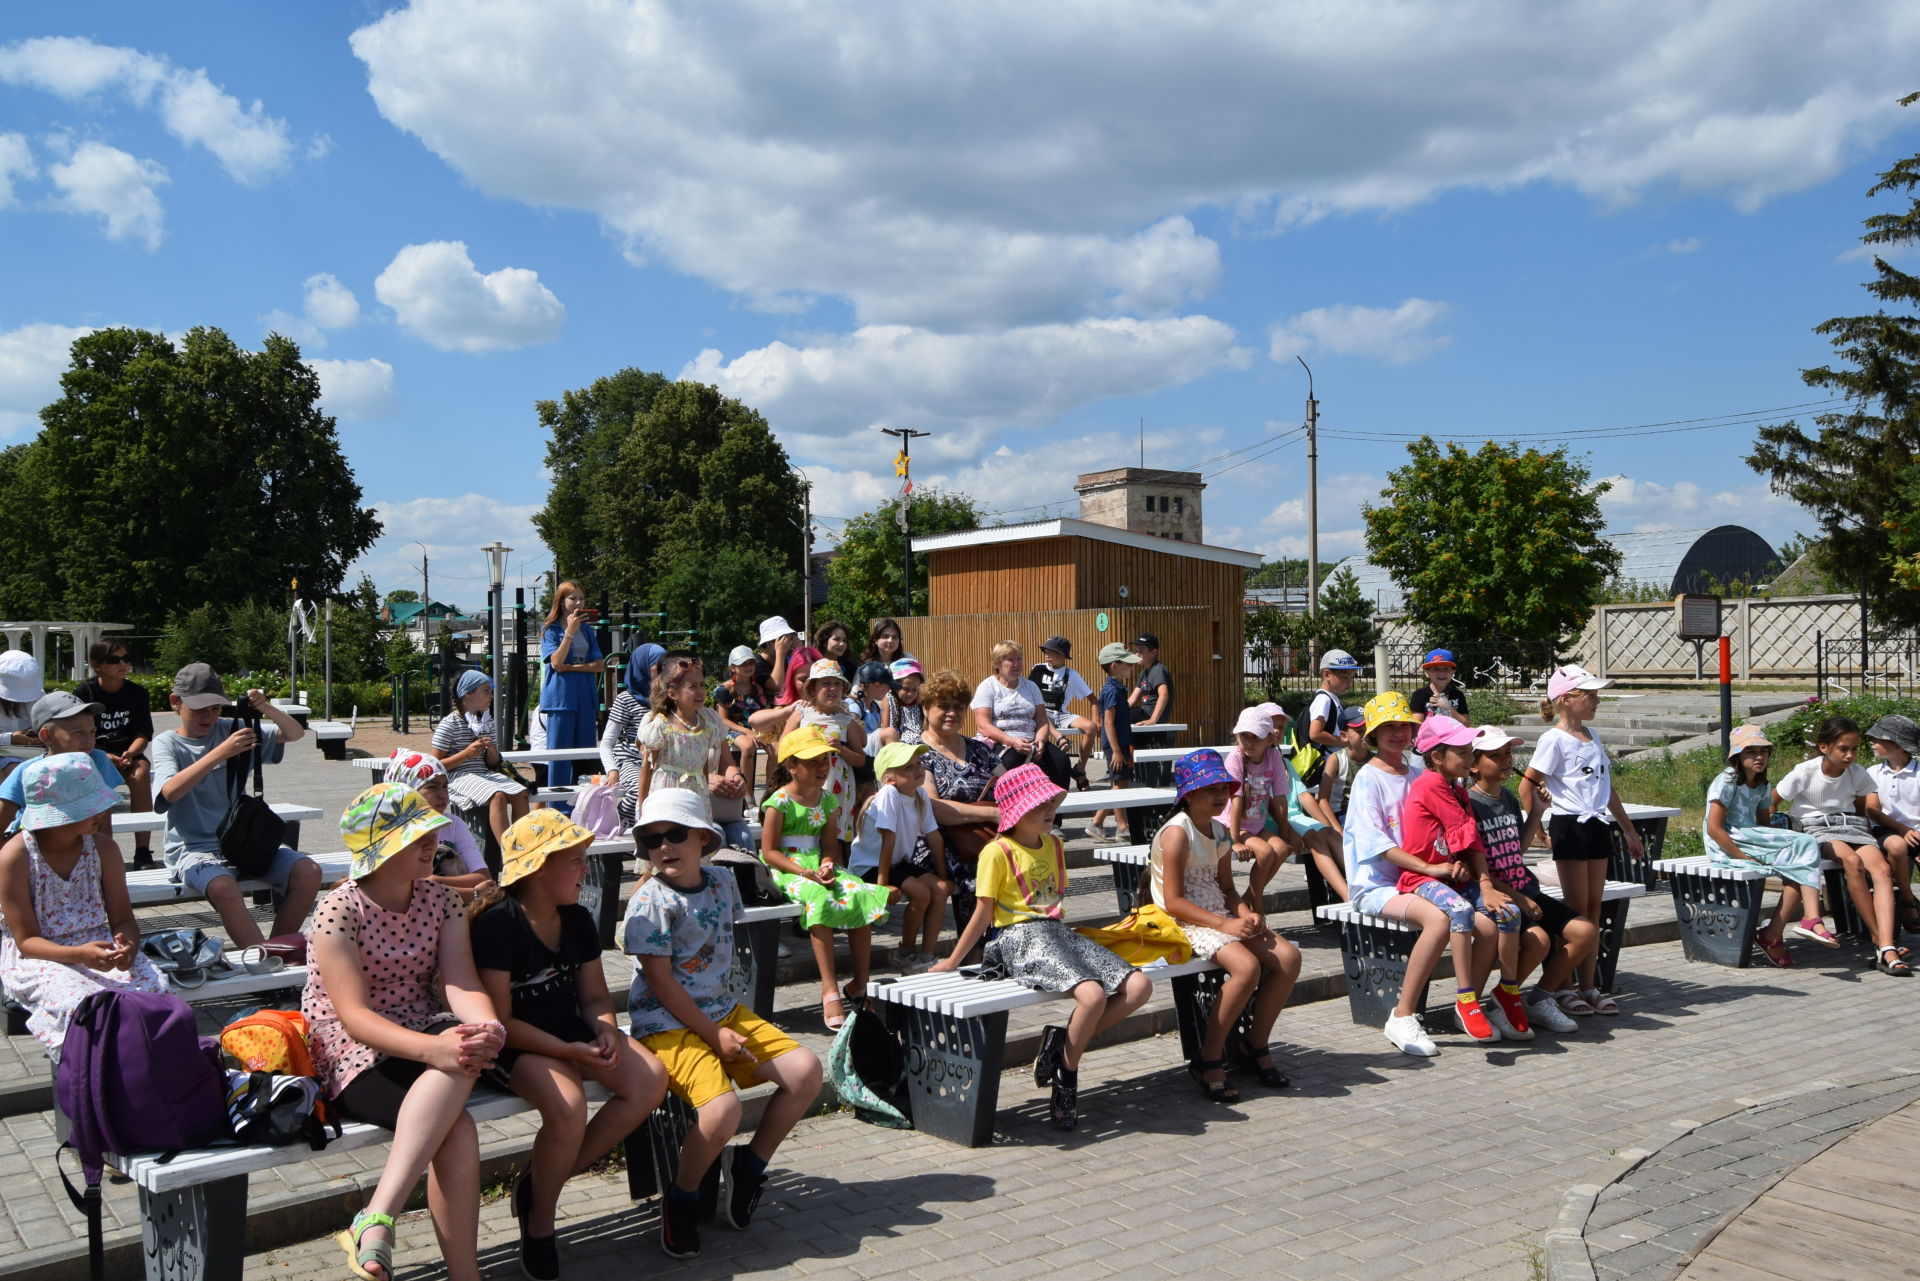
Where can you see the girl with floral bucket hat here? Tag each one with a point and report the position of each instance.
(538, 953)
(1022, 885)
(823, 706)
(1191, 872)
(67, 929)
(383, 1041)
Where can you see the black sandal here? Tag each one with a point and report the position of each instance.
(1053, 1048)
(1080, 778)
(1218, 1091)
(1063, 1109)
(1896, 967)
(1249, 1057)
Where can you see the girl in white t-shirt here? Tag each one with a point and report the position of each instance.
(896, 842)
(1828, 796)
(1570, 771)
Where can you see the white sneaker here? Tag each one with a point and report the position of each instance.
(1408, 1037)
(1502, 1025)
(1544, 1011)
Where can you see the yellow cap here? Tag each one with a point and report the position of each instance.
(805, 743)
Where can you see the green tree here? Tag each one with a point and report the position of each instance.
(1501, 540)
(864, 580)
(169, 477)
(1346, 617)
(401, 595)
(1288, 571)
(586, 430)
(1856, 474)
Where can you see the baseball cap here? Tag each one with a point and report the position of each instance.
(1491, 738)
(739, 654)
(1255, 722)
(1147, 640)
(1115, 652)
(870, 671)
(1436, 731)
(1338, 660)
(1356, 716)
(1059, 645)
(198, 686)
(58, 706)
(896, 754)
(1567, 679)
(1437, 657)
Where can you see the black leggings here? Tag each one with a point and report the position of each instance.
(1052, 762)
(376, 1094)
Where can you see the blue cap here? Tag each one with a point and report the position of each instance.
(1438, 656)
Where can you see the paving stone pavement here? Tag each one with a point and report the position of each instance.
(1645, 1224)
(1374, 1165)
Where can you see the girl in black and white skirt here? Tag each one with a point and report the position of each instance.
(463, 741)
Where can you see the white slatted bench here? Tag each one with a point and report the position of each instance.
(150, 886)
(126, 824)
(1143, 808)
(331, 737)
(1375, 950)
(1153, 766)
(1651, 822)
(1127, 860)
(953, 1027)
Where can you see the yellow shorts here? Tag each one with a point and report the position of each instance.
(698, 1076)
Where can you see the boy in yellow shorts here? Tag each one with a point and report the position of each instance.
(679, 930)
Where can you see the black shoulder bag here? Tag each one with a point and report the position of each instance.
(251, 833)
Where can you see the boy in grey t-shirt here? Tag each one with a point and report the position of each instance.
(190, 791)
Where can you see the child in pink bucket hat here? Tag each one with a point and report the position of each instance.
(1022, 884)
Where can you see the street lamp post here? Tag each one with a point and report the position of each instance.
(496, 606)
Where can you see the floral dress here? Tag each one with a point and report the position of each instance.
(681, 755)
(69, 912)
(400, 956)
(968, 782)
(840, 784)
(847, 904)
(1201, 884)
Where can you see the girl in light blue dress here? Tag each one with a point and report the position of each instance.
(1736, 830)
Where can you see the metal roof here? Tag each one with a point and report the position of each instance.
(1066, 527)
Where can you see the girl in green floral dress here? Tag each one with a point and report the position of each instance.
(799, 842)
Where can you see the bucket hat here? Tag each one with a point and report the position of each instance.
(824, 669)
(62, 789)
(382, 821)
(1745, 736)
(1567, 679)
(57, 706)
(1390, 708)
(20, 679)
(526, 846)
(1021, 791)
(1059, 645)
(1896, 729)
(681, 807)
(411, 769)
(1200, 769)
(896, 754)
(1338, 660)
(804, 744)
(774, 628)
(1442, 731)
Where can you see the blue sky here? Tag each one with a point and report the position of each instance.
(1024, 228)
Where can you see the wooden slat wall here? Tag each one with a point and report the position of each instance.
(1208, 694)
(1152, 578)
(980, 580)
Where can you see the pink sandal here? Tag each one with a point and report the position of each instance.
(1816, 929)
(837, 1021)
(1775, 951)
(1571, 1002)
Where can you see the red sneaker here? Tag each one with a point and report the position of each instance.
(1473, 1020)
(1512, 1025)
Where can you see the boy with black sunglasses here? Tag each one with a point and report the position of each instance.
(123, 728)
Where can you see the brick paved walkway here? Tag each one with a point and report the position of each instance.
(1374, 1165)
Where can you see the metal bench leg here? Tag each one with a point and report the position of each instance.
(1376, 962)
(1718, 917)
(600, 895)
(1194, 999)
(197, 1233)
(953, 1071)
(1126, 881)
(1319, 893)
(1846, 918)
(1622, 866)
(1613, 937)
(758, 944)
(653, 1156)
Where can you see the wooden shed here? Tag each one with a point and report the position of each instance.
(1092, 584)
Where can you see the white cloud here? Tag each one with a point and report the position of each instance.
(965, 386)
(32, 358)
(435, 291)
(1396, 335)
(1685, 245)
(453, 531)
(121, 190)
(251, 145)
(330, 304)
(16, 161)
(356, 389)
(1004, 164)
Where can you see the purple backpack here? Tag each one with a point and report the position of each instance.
(135, 1075)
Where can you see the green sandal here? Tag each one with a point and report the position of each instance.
(379, 1254)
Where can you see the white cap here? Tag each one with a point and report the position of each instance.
(1255, 722)
(774, 628)
(1492, 738)
(738, 655)
(1567, 679)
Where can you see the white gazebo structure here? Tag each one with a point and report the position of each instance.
(84, 635)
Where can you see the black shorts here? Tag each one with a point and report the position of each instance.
(1578, 840)
(376, 1094)
(1554, 914)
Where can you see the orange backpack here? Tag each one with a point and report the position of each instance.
(269, 1041)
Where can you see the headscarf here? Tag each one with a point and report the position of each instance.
(639, 678)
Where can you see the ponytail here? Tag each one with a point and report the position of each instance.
(1548, 712)
(493, 895)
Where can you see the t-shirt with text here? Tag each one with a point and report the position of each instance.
(124, 716)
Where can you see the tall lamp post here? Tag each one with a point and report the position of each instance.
(496, 607)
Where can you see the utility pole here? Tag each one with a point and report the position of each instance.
(806, 555)
(902, 467)
(1313, 496)
(426, 602)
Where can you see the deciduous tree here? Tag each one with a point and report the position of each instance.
(864, 580)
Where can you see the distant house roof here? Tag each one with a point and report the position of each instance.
(1066, 527)
(402, 612)
(1673, 560)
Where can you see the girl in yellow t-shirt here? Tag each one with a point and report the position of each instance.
(1022, 880)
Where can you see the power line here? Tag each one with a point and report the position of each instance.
(1743, 418)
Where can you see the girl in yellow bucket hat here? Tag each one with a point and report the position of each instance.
(538, 953)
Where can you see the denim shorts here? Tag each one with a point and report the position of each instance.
(197, 871)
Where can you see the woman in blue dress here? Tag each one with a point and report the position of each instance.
(570, 686)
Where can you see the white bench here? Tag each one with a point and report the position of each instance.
(125, 824)
(954, 1029)
(1718, 905)
(1143, 808)
(1376, 950)
(151, 886)
(331, 738)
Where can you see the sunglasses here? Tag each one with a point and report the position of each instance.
(673, 835)
(118, 658)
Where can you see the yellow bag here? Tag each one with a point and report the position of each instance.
(1149, 934)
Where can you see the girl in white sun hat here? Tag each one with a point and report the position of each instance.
(21, 685)
(1571, 773)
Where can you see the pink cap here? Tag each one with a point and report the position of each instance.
(1438, 730)
(1569, 678)
(1274, 710)
(1022, 790)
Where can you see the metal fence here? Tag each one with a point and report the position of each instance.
(1887, 664)
(1508, 664)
